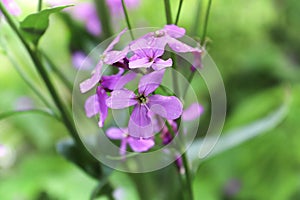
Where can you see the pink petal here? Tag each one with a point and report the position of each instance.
(192, 112)
(116, 133)
(115, 41)
(120, 99)
(91, 106)
(140, 123)
(114, 56)
(91, 82)
(140, 145)
(12, 7)
(161, 64)
(149, 82)
(140, 63)
(174, 31)
(168, 107)
(102, 97)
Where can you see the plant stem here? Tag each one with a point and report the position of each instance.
(188, 176)
(190, 78)
(103, 13)
(168, 12)
(66, 118)
(206, 22)
(178, 12)
(127, 19)
(174, 75)
(197, 19)
(40, 5)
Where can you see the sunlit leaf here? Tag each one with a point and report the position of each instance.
(35, 25)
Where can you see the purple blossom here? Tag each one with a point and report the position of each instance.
(136, 144)
(96, 104)
(11, 7)
(192, 112)
(144, 103)
(109, 57)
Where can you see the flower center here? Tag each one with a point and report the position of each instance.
(142, 99)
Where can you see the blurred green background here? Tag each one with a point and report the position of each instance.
(255, 44)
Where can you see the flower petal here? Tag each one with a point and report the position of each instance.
(179, 46)
(120, 99)
(123, 80)
(116, 133)
(168, 107)
(91, 106)
(112, 57)
(140, 63)
(140, 123)
(140, 145)
(161, 64)
(174, 31)
(102, 97)
(149, 82)
(192, 112)
(115, 41)
(91, 82)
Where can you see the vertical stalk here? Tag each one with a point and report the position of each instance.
(103, 13)
(188, 176)
(206, 22)
(178, 12)
(127, 19)
(39, 8)
(168, 12)
(197, 17)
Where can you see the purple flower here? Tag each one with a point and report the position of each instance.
(96, 104)
(151, 46)
(11, 7)
(108, 57)
(145, 56)
(136, 144)
(116, 8)
(144, 103)
(192, 112)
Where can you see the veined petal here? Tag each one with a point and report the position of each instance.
(140, 123)
(102, 97)
(114, 56)
(91, 106)
(168, 107)
(140, 63)
(149, 82)
(179, 46)
(115, 41)
(91, 82)
(192, 112)
(120, 99)
(161, 64)
(174, 31)
(116, 133)
(140, 145)
(123, 80)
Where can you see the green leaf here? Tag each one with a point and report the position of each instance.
(35, 25)
(239, 135)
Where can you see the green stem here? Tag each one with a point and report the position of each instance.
(40, 5)
(197, 19)
(206, 22)
(178, 12)
(104, 16)
(66, 118)
(127, 19)
(37, 111)
(174, 75)
(188, 176)
(55, 69)
(168, 11)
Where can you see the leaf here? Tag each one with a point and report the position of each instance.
(239, 135)
(71, 152)
(35, 25)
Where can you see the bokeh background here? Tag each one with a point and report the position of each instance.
(256, 46)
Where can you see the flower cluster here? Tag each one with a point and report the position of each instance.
(150, 110)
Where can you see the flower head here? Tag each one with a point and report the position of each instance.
(140, 125)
